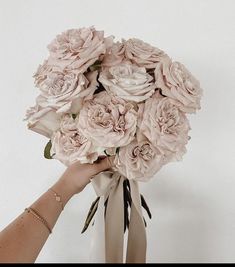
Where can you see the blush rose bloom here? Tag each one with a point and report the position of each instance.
(43, 120)
(178, 83)
(165, 125)
(63, 89)
(70, 145)
(143, 54)
(78, 48)
(108, 121)
(139, 160)
(114, 55)
(128, 82)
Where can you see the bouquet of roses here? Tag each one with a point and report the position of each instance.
(127, 99)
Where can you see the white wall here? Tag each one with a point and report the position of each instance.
(193, 202)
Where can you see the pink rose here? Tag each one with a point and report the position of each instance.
(108, 121)
(139, 160)
(114, 55)
(128, 82)
(178, 83)
(78, 48)
(143, 54)
(70, 145)
(60, 89)
(43, 120)
(165, 125)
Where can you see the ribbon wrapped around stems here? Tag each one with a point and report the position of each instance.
(109, 187)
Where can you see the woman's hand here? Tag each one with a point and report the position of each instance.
(78, 175)
(29, 230)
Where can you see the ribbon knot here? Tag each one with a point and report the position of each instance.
(109, 186)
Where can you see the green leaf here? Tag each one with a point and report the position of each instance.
(47, 150)
(145, 206)
(126, 205)
(91, 214)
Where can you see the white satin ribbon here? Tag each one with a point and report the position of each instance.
(109, 232)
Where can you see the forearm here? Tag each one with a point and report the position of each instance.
(24, 238)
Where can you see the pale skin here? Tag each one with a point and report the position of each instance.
(22, 240)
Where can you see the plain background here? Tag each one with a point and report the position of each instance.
(193, 202)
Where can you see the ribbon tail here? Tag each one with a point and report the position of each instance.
(137, 241)
(110, 185)
(97, 250)
(114, 224)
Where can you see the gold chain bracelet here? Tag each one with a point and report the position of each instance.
(39, 217)
(58, 198)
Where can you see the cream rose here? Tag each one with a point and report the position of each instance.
(165, 125)
(143, 54)
(139, 160)
(62, 89)
(78, 48)
(43, 120)
(108, 121)
(178, 83)
(128, 82)
(70, 145)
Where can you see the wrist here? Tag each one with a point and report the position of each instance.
(64, 189)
